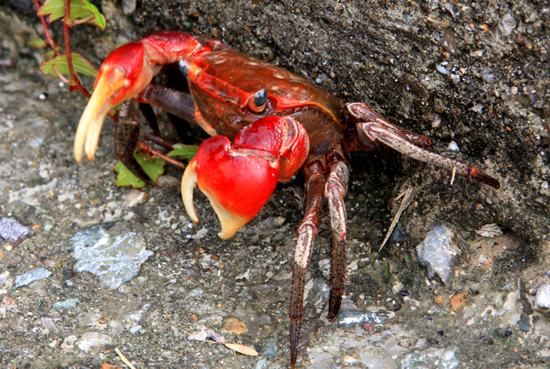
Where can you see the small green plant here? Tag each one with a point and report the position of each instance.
(68, 66)
(153, 167)
(72, 12)
(183, 152)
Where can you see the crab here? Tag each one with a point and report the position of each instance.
(279, 123)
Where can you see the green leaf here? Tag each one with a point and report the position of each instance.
(184, 152)
(153, 167)
(49, 54)
(126, 178)
(54, 8)
(81, 11)
(99, 19)
(38, 43)
(80, 64)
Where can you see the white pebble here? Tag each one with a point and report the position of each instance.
(453, 146)
(135, 329)
(441, 69)
(478, 108)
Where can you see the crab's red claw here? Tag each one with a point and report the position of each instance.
(123, 75)
(238, 179)
(237, 184)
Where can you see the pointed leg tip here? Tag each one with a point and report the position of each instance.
(485, 178)
(294, 338)
(293, 359)
(491, 182)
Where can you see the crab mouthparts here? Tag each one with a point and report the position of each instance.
(91, 122)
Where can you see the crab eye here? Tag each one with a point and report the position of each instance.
(258, 103)
(183, 67)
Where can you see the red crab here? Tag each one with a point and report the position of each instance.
(279, 123)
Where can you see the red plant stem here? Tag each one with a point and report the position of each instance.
(49, 38)
(68, 42)
(144, 146)
(74, 77)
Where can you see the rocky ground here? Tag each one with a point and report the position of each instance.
(473, 73)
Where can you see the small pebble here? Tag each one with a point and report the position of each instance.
(135, 329)
(437, 252)
(136, 197)
(8, 303)
(234, 325)
(478, 108)
(488, 75)
(128, 6)
(453, 146)
(458, 300)
(507, 25)
(48, 324)
(13, 231)
(92, 339)
(368, 327)
(31, 276)
(489, 230)
(543, 297)
(357, 317)
(66, 304)
(441, 69)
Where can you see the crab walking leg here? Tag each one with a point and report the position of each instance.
(361, 112)
(381, 133)
(127, 127)
(238, 179)
(150, 118)
(335, 191)
(126, 137)
(172, 101)
(386, 133)
(315, 169)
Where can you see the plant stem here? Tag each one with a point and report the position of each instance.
(49, 38)
(67, 22)
(147, 148)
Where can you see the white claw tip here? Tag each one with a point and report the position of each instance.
(230, 222)
(188, 183)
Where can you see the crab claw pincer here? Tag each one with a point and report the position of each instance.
(123, 75)
(239, 179)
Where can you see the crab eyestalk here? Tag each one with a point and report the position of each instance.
(239, 179)
(123, 75)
